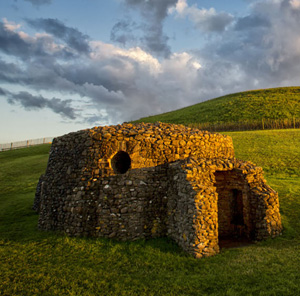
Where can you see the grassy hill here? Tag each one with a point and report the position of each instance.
(46, 263)
(257, 109)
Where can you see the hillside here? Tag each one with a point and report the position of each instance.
(257, 109)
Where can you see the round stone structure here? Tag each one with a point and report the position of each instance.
(134, 181)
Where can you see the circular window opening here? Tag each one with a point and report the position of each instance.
(121, 162)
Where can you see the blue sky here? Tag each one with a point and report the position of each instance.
(68, 65)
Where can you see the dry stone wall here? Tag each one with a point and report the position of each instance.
(200, 204)
(150, 180)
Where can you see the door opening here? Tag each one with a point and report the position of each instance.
(232, 227)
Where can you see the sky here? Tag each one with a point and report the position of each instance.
(67, 65)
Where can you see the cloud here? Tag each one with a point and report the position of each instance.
(39, 2)
(126, 83)
(158, 9)
(2, 92)
(31, 102)
(14, 42)
(206, 20)
(8, 72)
(11, 43)
(251, 22)
(153, 13)
(11, 26)
(263, 48)
(73, 38)
(110, 84)
(96, 119)
(295, 4)
(123, 32)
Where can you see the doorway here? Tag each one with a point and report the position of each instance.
(232, 209)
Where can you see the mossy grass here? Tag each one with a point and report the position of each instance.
(257, 109)
(35, 262)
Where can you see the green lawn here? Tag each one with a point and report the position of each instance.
(42, 263)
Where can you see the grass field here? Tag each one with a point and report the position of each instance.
(44, 263)
(250, 110)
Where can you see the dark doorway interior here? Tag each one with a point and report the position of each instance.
(237, 215)
(231, 210)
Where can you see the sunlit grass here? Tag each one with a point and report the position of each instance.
(46, 263)
(278, 152)
(259, 109)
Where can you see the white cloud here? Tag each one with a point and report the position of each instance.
(11, 26)
(295, 4)
(180, 61)
(104, 50)
(206, 20)
(14, 28)
(180, 7)
(44, 39)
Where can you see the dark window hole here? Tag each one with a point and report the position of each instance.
(121, 162)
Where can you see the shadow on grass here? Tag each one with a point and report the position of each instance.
(23, 228)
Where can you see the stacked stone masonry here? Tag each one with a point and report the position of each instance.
(151, 180)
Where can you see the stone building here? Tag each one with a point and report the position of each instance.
(151, 180)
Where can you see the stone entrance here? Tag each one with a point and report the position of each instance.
(234, 211)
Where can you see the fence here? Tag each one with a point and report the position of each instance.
(249, 125)
(23, 144)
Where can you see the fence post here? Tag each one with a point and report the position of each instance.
(294, 122)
